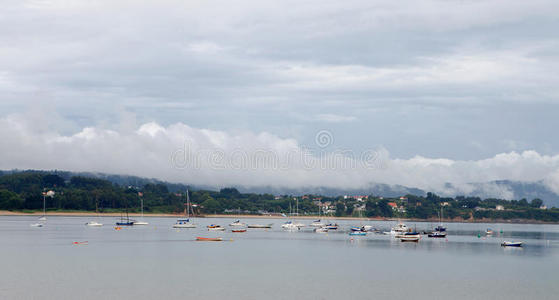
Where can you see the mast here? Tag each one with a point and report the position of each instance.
(187, 205)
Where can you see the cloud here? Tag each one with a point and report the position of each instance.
(180, 153)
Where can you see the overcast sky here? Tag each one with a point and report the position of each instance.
(443, 83)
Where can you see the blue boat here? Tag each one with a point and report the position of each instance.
(125, 221)
(357, 233)
(511, 244)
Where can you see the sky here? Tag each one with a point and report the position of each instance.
(418, 93)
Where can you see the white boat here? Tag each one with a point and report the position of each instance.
(511, 244)
(399, 229)
(316, 223)
(237, 224)
(43, 218)
(36, 225)
(321, 230)
(185, 223)
(410, 237)
(93, 224)
(260, 225)
(142, 222)
(289, 226)
(215, 228)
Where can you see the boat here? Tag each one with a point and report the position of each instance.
(488, 231)
(411, 236)
(142, 222)
(237, 223)
(437, 234)
(440, 227)
(36, 225)
(399, 229)
(289, 226)
(511, 244)
(238, 230)
(93, 224)
(321, 230)
(185, 223)
(44, 216)
(214, 227)
(359, 233)
(260, 225)
(331, 226)
(355, 228)
(316, 223)
(204, 239)
(125, 221)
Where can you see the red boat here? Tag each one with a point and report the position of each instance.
(239, 230)
(218, 239)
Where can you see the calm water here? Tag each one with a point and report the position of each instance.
(156, 261)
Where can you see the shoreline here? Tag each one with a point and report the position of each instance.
(243, 216)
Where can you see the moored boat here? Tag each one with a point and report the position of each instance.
(410, 237)
(399, 229)
(321, 230)
(238, 230)
(511, 244)
(93, 224)
(437, 234)
(260, 225)
(237, 224)
(214, 227)
(331, 226)
(36, 225)
(204, 239)
(184, 223)
(359, 233)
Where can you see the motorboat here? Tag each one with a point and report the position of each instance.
(399, 229)
(93, 224)
(237, 223)
(488, 231)
(260, 225)
(214, 227)
(331, 226)
(437, 234)
(289, 226)
(36, 225)
(410, 237)
(184, 223)
(316, 223)
(321, 230)
(511, 244)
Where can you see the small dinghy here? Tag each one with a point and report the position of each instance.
(238, 230)
(204, 239)
(511, 244)
(215, 228)
(437, 234)
(237, 224)
(36, 225)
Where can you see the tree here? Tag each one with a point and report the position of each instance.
(536, 203)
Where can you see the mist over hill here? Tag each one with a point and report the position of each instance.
(513, 189)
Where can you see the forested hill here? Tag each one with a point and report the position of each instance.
(24, 191)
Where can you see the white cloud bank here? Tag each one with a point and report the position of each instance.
(180, 153)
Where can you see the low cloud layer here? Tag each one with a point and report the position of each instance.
(180, 153)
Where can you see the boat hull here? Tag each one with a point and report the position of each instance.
(203, 239)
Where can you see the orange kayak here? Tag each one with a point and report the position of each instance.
(218, 239)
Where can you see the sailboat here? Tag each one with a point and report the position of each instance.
(142, 222)
(44, 217)
(289, 224)
(440, 228)
(185, 223)
(94, 223)
(125, 221)
(317, 223)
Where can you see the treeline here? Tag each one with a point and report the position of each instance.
(24, 191)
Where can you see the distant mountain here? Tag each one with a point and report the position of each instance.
(504, 189)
